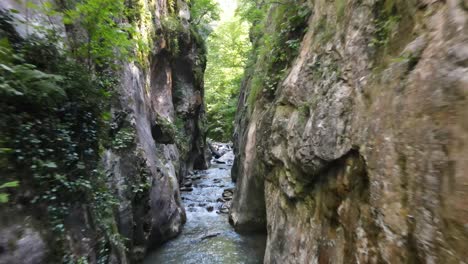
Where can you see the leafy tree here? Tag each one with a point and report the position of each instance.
(276, 38)
(228, 47)
(251, 11)
(203, 13)
(107, 36)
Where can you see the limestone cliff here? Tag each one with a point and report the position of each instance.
(357, 154)
(155, 136)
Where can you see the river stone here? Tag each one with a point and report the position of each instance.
(188, 183)
(227, 194)
(223, 211)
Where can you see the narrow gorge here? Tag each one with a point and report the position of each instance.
(348, 121)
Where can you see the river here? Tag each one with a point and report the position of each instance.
(207, 237)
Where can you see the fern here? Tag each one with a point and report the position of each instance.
(20, 79)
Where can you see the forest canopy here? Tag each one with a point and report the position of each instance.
(228, 48)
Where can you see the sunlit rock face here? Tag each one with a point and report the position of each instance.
(164, 104)
(158, 110)
(360, 154)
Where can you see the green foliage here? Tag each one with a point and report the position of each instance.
(277, 43)
(340, 6)
(23, 80)
(385, 27)
(391, 16)
(124, 138)
(9, 184)
(182, 143)
(107, 37)
(50, 130)
(172, 29)
(228, 47)
(252, 11)
(203, 13)
(4, 197)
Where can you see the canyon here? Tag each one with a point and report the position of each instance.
(349, 146)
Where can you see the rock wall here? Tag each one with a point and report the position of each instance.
(163, 105)
(359, 156)
(156, 137)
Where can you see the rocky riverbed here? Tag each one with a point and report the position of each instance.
(207, 236)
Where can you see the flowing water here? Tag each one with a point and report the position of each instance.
(207, 237)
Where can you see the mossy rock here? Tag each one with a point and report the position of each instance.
(163, 131)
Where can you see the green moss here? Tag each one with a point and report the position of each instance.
(340, 6)
(182, 140)
(395, 28)
(324, 31)
(385, 28)
(304, 113)
(255, 87)
(284, 29)
(145, 34)
(164, 131)
(172, 29)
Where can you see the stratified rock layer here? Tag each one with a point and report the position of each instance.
(359, 157)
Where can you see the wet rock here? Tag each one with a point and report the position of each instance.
(223, 209)
(227, 158)
(214, 151)
(221, 148)
(228, 193)
(196, 178)
(210, 208)
(186, 189)
(188, 183)
(210, 236)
